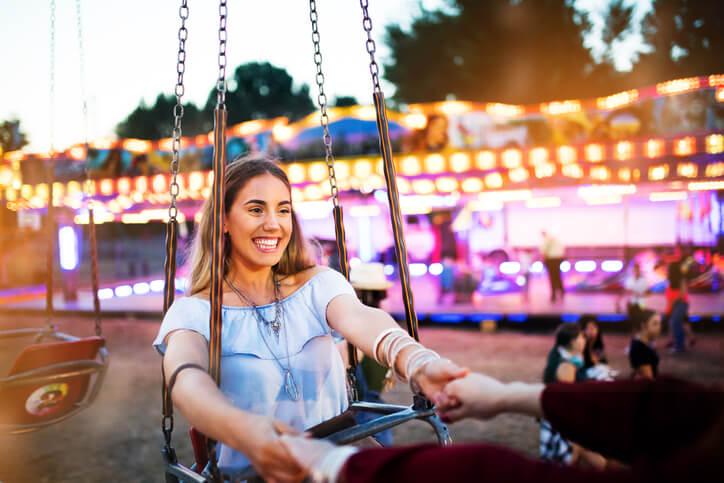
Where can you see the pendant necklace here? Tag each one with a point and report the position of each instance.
(290, 385)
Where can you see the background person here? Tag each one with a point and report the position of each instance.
(553, 252)
(642, 353)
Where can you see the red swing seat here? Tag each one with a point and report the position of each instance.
(50, 381)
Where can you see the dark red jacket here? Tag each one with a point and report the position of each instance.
(663, 429)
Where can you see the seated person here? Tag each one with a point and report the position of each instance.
(641, 353)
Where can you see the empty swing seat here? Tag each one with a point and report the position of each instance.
(50, 381)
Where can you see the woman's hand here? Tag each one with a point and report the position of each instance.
(436, 374)
(269, 457)
(480, 396)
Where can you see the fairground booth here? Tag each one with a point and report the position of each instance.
(637, 175)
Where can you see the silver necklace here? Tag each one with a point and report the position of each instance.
(290, 385)
(272, 325)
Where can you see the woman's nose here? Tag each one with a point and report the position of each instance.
(271, 222)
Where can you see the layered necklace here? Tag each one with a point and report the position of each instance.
(273, 326)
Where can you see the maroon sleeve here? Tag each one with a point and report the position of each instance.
(628, 420)
(472, 462)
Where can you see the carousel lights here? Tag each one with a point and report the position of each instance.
(141, 288)
(585, 266)
(485, 160)
(460, 162)
(716, 80)
(158, 183)
(157, 285)
(247, 128)
(389, 270)
(423, 186)
(566, 154)
(511, 158)
(415, 120)
(196, 181)
(313, 210)
(313, 192)
(123, 291)
(296, 173)
(719, 94)
(282, 133)
(141, 184)
(677, 86)
(658, 196)
(593, 153)
(509, 268)
(362, 168)
(77, 152)
(493, 180)
(201, 140)
(136, 145)
(472, 185)
(600, 173)
(103, 143)
(572, 171)
(123, 185)
(106, 187)
(503, 110)
(452, 108)
(654, 148)
(561, 107)
(705, 185)
(446, 184)
(687, 170)
(518, 175)
(105, 293)
(434, 164)
(658, 172)
(613, 189)
(538, 156)
(536, 267)
(410, 166)
(612, 266)
(684, 146)
(403, 186)
(418, 269)
(624, 174)
(624, 150)
(714, 170)
(318, 172)
(26, 191)
(435, 268)
(714, 143)
(617, 100)
(545, 170)
(565, 266)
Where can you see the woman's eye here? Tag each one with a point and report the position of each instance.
(256, 210)
(285, 211)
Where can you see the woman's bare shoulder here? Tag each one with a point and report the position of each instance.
(292, 282)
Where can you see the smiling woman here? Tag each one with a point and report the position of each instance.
(281, 371)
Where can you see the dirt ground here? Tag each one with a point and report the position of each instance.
(118, 439)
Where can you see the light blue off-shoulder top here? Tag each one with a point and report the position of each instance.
(251, 378)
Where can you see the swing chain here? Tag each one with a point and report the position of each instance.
(322, 101)
(221, 81)
(88, 183)
(178, 110)
(370, 45)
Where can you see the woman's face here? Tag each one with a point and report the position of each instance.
(260, 222)
(591, 331)
(653, 326)
(578, 344)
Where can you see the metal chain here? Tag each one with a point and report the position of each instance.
(52, 78)
(370, 45)
(178, 109)
(322, 101)
(221, 81)
(84, 96)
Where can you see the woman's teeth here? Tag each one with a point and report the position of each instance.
(266, 243)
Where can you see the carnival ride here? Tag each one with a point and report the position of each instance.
(56, 375)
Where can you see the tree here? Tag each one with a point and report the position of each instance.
(498, 50)
(156, 121)
(618, 23)
(259, 90)
(11, 137)
(686, 38)
(345, 101)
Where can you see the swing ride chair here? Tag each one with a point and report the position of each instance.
(57, 375)
(341, 429)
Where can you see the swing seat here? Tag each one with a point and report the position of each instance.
(50, 381)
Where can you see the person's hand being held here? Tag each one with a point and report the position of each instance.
(268, 455)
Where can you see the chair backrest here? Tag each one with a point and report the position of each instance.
(45, 401)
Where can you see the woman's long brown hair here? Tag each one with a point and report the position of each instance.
(296, 256)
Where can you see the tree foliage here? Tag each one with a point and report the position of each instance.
(256, 91)
(11, 137)
(532, 50)
(503, 50)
